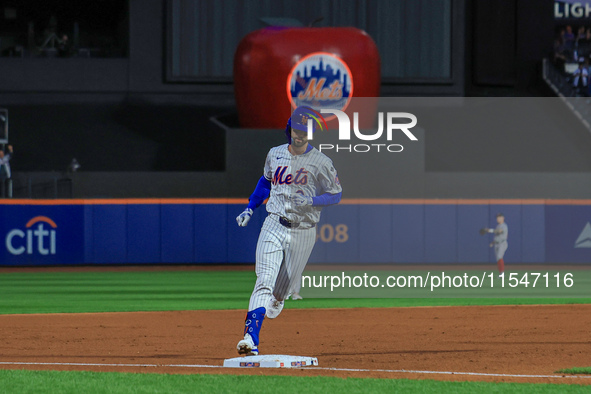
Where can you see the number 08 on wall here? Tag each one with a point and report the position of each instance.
(329, 233)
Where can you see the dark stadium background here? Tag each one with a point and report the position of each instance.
(135, 110)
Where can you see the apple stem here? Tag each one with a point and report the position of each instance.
(315, 21)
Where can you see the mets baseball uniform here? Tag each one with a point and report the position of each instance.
(500, 240)
(499, 243)
(298, 187)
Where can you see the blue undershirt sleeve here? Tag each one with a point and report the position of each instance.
(260, 194)
(327, 199)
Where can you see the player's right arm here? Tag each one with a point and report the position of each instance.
(499, 230)
(260, 194)
(501, 233)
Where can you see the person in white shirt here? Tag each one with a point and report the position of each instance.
(5, 173)
(581, 77)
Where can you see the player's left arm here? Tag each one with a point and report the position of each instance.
(331, 187)
(328, 183)
(327, 199)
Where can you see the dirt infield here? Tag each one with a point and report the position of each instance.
(474, 342)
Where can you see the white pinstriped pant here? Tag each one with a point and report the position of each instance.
(500, 249)
(281, 256)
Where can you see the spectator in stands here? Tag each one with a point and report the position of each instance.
(5, 173)
(580, 36)
(63, 47)
(569, 36)
(584, 44)
(587, 63)
(580, 33)
(581, 78)
(568, 40)
(559, 56)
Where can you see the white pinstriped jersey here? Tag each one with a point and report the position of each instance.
(311, 174)
(501, 232)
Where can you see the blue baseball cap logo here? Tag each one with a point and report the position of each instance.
(301, 115)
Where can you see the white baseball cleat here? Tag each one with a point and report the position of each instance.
(247, 346)
(274, 308)
(296, 296)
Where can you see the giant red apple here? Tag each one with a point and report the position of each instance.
(277, 69)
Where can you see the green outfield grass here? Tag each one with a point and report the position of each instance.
(73, 292)
(111, 291)
(17, 381)
(576, 371)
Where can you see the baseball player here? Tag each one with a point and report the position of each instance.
(299, 181)
(297, 286)
(500, 241)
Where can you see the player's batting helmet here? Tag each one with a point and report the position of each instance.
(299, 121)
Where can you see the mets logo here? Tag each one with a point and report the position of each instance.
(282, 177)
(32, 239)
(320, 80)
(300, 117)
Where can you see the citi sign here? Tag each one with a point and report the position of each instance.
(38, 237)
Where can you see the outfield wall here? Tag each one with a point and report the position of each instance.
(147, 231)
